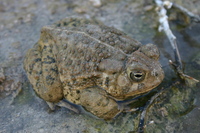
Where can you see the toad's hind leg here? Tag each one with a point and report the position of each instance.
(96, 101)
(42, 72)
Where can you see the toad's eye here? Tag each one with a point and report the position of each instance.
(137, 75)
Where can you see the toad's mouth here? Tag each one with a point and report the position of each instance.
(135, 90)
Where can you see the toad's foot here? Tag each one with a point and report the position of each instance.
(66, 104)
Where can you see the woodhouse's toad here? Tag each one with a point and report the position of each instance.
(91, 65)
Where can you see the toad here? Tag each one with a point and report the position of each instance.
(92, 65)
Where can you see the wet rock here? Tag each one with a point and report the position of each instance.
(80, 10)
(96, 3)
(196, 61)
(2, 76)
(148, 8)
(10, 82)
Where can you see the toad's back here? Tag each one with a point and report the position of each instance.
(79, 45)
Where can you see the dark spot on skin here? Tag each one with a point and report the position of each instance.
(77, 99)
(107, 81)
(37, 60)
(67, 93)
(35, 54)
(50, 60)
(69, 84)
(77, 91)
(55, 70)
(40, 72)
(49, 79)
(37, 84)
(50, 96)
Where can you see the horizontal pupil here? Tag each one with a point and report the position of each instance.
(138, 74)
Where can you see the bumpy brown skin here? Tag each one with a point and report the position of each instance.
(87, 63)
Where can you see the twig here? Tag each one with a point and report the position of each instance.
(148, 104)
(144, 111)
(164, 25)
(182, 75)
(195, 18)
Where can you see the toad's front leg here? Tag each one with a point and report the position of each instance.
(95, 100)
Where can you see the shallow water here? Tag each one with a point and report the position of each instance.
(177, 110)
